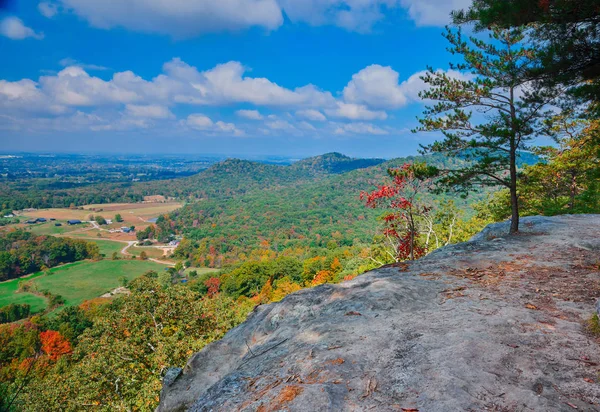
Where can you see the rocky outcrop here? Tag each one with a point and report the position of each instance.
(497, 323)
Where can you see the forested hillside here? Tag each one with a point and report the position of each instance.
(323, 213)
(222, 180)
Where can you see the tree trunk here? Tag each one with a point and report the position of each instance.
(411, 228)
(573, 191)
(514, 199)
(514, 202)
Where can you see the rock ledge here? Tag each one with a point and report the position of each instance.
(496, 323)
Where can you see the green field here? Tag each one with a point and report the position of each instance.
(8, 295)
(202, 271)
(49, 228)
(107, 247)
(77, 282)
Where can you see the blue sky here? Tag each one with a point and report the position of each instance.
(284, 77)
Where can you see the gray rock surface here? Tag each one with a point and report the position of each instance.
(488, 324)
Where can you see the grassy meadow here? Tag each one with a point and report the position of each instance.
(76, 282)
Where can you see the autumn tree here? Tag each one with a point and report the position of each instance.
(489, 113)
(54, 344)
(120, 360)
(401, 198)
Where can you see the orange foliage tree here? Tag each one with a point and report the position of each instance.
(54, 344)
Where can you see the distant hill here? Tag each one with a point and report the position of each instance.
(234, 176)
(223, 180)
(334, 163)
(306, 208)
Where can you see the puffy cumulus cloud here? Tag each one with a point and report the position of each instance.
(414, 85)
(355, 112)
(376, 86)
(73, 86)
(226, 83)
(15, 29)
(187, 18)
(127, 100)
(249, 114)
(354, 15)
(433, 12)
(24, 97)
(151, 111)
(360, 129)
(48, 9)
(204, 123)
(178, 18)
(311, 114)
(180, 83)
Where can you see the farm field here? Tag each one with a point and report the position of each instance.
(108, 247)
(152, 252)
(77, 282)
(49, 228)
(132, 213)
(8, 295)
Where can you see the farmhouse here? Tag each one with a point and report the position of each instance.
(125, 229)
(41, 219)
(31, 221)
(74, 222)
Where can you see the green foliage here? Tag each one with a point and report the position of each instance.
(121, 352)
(247, 280)
(118, 218)
(23, 253)
(324, 213)
(565, 33)
(100, 220)
(14, 312)
(495, 83)
(568, 181)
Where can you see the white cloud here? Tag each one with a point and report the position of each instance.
(355, 15)
(178, 18)
(199, 121)
(152, 111)
(24, 97)
(48, 9)
(433, 12)
(250, 114)
(204, 123)
(187, 18)
(126, 100)
(360, 128)
(376, 86)
(311, 114)
(15, 29)
(279, 125)
(355, 112)
(306, 126)
(73, 86)
(68, 61)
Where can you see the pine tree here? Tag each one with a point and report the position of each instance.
(566, 35)
(489, 113)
